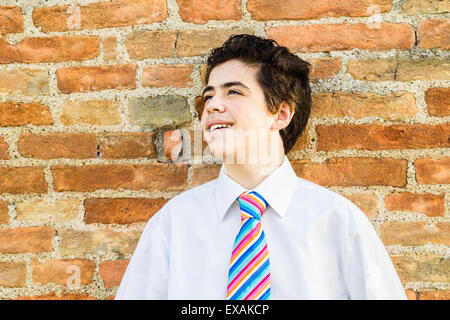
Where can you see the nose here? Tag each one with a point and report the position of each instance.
(215, 104)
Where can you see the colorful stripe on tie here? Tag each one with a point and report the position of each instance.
(249, 274)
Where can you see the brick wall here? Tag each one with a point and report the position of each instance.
(99, 115)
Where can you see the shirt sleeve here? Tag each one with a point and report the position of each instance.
(370, 273)
(146, 277)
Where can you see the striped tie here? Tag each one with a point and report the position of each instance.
(249, 275)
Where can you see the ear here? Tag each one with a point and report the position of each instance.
(283, 117)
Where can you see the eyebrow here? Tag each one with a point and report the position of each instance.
(226, 85)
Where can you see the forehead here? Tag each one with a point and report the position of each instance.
(231, 71)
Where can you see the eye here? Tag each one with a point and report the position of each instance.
(206, 98)
(234, 92)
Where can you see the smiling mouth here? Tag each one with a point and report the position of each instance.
(214, 129)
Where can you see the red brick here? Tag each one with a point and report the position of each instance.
(413, 233)
(202, 173)
(20, 114)
(172, 144)
(411, 7)
(432, 171)
(434, 295)
(438, 101)
(434, 34)
(112, 272)
(63, 271)
(202, 11)
(302, 10)
(53, 296)
(58, 145)
(397, 105)
(411, 294)
(178, 76)
(4, 217)
(323, 68)
(11, 20)
(121, 210)
(353, 171)
(127, 145)
(96, 78)
(100, 15)
(26, 240)
(109, 48)
(13, 274)
(336, 37)
(17, 180)
(4, 150)
(158, 176)
(368, 203)
(49, 49)
(381, 137)
(429, 204)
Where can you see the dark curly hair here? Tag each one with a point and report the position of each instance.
(282, 75)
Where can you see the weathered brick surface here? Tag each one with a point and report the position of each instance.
(127, 145)
(432, 171)
(353, 171)
(12, 274)
(202, 11)
(425, 6)
(11, 20)
(58, 145)
(178, 76)
(3, 150)
(400, 70)
(49, 49)
(438, 101)
(100, 103)
(301, 10)
(4, 217)
(414, 233)
(84, 79)
(61, 271)
(19, 114)
(422, 267)
(337, 37)
(104, 14)
(429, 204)
(73, 242)
(96, 112)
(398, 105)
(25, 81)
(121, 210)
(22, 180)
(381, 137)
(112, 272)
(27, 239)
(434, 34)
(50, 209)
(157, 176)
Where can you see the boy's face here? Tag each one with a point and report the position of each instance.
(234, 96)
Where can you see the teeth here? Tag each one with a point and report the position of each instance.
(215, 126)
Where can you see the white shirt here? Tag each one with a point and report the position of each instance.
(321, 245)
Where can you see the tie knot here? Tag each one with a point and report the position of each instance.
(252, 205)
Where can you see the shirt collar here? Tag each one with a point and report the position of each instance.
(277, 189)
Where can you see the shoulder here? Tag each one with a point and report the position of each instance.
(324, 201)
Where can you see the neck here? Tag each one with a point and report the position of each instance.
(250, 176)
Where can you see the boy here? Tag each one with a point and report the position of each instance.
(258, 231)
